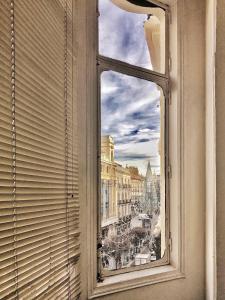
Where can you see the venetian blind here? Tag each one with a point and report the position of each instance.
(39, 207)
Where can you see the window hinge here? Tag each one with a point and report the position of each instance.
(170, 16)
(97, 12)
(169, 92)
(99, 277)
(169, 171)
(99, 249)
(169, 96)
(170, 241)
(170, 63)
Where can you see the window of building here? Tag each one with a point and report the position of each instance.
(133, 99)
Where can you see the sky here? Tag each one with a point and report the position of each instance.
(121, 35)
(130, 110)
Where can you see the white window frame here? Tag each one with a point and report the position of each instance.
(105, 63)
(175, 269)
(161, 80)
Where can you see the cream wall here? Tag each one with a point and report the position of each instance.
(191, 53)
(210, 151)
(220, 147)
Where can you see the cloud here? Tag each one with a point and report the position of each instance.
(131, 156)
(121, 35)
(143, 140)
(130, 107)
(134, 156)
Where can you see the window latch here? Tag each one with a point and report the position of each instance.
(99, 245)
(99, 249)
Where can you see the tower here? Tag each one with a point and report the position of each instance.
(151, 199)
(107, 148)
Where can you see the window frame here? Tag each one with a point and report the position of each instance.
(88, 117)
(163, 81)
(105, 64)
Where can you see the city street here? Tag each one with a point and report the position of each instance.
(131, 247)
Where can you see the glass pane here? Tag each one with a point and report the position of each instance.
(135, 35)
(132, 171)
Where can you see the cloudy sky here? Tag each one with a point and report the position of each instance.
(121, 35)
(130, 110)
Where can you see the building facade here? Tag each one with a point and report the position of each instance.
(109, 214)
(116, 189)
(137, 190)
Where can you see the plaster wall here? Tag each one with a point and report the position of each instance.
(220, 147)
(210, 151)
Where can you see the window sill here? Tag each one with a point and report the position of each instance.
(126, 281)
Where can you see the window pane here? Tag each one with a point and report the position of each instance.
(132, 171)
(135, 35)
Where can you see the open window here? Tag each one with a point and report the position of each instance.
(133, 227)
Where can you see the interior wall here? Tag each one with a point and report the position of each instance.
(220, 147)
(210, 151)
(192, 286)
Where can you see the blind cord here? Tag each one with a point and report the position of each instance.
(66, 140)
(13, 102)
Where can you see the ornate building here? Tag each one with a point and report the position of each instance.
(151, 203)
(108, 186)
(116, 190)
(123, 187)
(137, 189)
